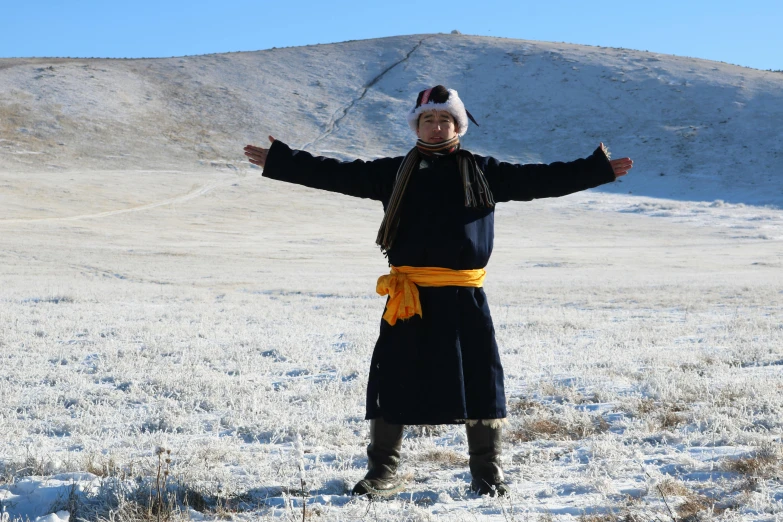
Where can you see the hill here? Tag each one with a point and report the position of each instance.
(698, 130)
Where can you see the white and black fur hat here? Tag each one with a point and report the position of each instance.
(439, 98)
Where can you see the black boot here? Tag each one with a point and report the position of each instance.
(383, 456)
(484, 449)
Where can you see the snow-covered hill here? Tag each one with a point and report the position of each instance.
(698, 130)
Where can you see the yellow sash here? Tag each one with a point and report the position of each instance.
(400, 286)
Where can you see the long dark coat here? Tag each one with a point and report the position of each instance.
(443, 367)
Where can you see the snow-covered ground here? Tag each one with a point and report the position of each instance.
(639, 349)
(153, 309)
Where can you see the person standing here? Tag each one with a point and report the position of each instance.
(436, 360)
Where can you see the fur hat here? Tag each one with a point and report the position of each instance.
(439, 98)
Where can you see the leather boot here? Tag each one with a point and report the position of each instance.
(484, 449)
(383, 456)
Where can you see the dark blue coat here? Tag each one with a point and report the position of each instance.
(443, 367)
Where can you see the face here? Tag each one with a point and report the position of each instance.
(436, 126)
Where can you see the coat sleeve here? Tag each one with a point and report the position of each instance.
(509, 182)
(362, 179)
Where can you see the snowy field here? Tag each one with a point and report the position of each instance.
(183, 339)
(222, 316)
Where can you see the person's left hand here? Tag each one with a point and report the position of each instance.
(619, 166)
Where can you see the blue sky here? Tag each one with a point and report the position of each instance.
(744, 33)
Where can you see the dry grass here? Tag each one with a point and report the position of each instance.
(101, 467)
(522, 407)
(555, 428)
(643, 407)
(690, 509)
(540, 421)
(669, 419)
(766, 463)
(445, 458)
(131, 511)
(692, 504)
(625, 516)
(659, 415)
(675, 488)
(755, 466)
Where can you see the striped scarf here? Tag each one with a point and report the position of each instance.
(477, 191)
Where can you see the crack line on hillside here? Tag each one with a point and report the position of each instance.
(334, 124)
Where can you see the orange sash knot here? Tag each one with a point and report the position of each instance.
(401, 287)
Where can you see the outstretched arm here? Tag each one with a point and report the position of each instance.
(363, 179)
(510, 182)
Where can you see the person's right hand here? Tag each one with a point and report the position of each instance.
(257, 155)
